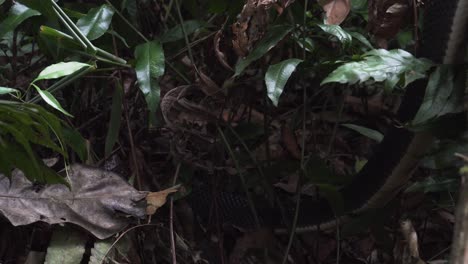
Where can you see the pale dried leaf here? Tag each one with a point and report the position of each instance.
(207, 85)
(386, 17)
(336, 11)
(219, 54)
(290, 142)
(94, 201)
(156, 200)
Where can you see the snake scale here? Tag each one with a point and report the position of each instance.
(393, 160)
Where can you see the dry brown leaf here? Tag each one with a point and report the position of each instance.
(336, 10)
(386, 17)
(155, 200)
(94, 197)
(219, 54)
(249, 27)
(289, 141)
(207, 85)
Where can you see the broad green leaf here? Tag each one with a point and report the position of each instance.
(6, 90)
(74, 140)
(115, 120)
(370, 133)
(17, 14)
(276, 77)
(444, 94)
(26, 125)
(176, 32)
(273, 36)
(50, 100)
(381, 65)
(335, 30)
(432, 184)
(149, 66)
(60, 69)
(362, 39)
(43, 6)
(58, 36)
(2, 1)
(96, 22)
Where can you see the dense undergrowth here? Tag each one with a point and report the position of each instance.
(255, 97)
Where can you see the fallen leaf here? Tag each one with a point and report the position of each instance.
(92, 202)
(336, 10)
(290, 142)
(207, 85)
(386, 18)
(156, 200)
(219, 54)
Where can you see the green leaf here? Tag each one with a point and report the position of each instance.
(6, 90)
(17, 14)
(273, 36)
(381, 65)
(432, 184)
(43, 6)
(176, 32)
(276, 77)
(96, 22)
(444, 94)
(335, 30)
(60, 69)
(75, 141)
(362, 39)
(149, 66)
(2, 1)
(115, 120)
(370, 133)
(50, 100)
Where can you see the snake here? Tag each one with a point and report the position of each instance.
(394, 159)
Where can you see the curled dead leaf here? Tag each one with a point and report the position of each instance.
(207, 85)
(155, 200)
(290, 142)
(336, 10)
(250, 26)
(219, 54)
(386, 18)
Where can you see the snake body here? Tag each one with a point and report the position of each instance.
(394, 159)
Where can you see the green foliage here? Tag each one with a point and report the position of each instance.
(115, 119)
(17, 14)
(176, 33)
(444, 94)
(273, 36)
(23, 126)
(60, 69)
(149, 67)
(370, 133)
(96, 22)
(391, 67)
(335, 30)
(276, 77)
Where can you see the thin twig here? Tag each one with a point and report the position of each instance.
(187, 42)
(298, 186)
(171, 216)
(127, 22)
